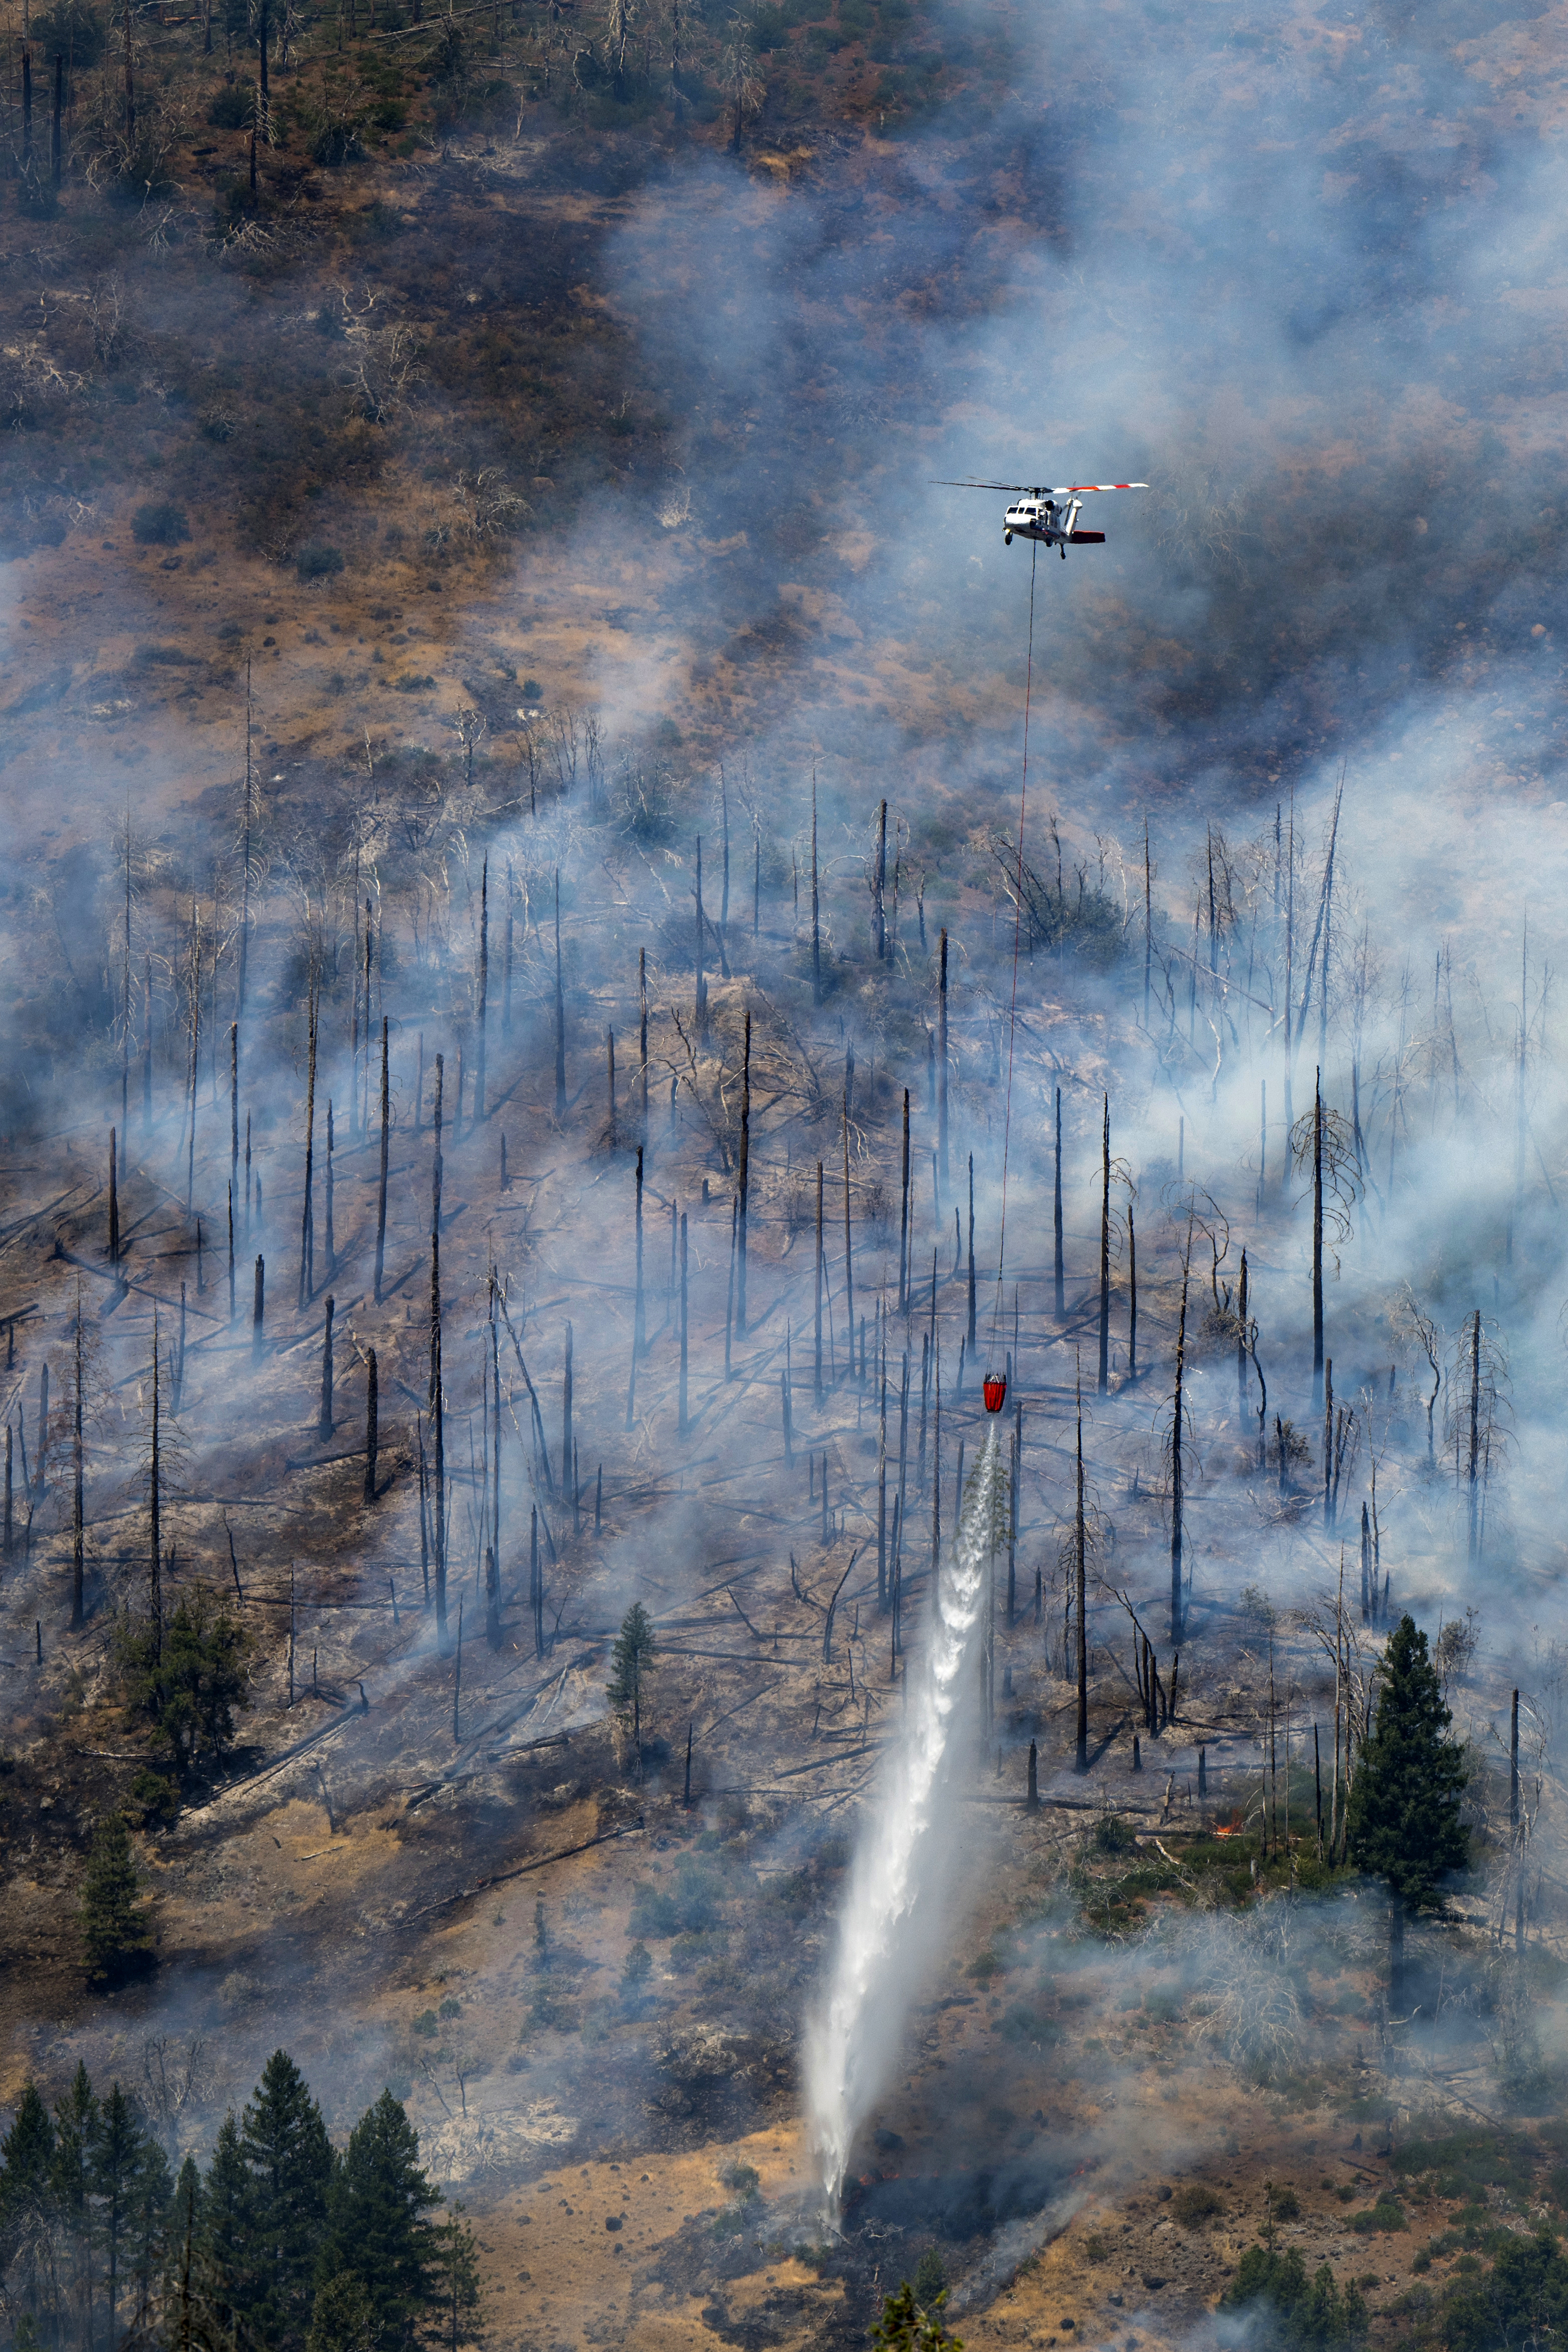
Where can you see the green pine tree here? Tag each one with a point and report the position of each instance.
(28, 2203)
(905, 2327)
(187, 1674)
(343, 2319)
(150, 2217)
(377, 2231)
(457, 2315)
(187, 2305)
(1404, 1814)
(290, 2160)
(119, 2160)
(76, 2138)
(226, 2219)
(116, 1934)
(630, 1660)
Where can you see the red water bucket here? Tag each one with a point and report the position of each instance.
(995, 1389)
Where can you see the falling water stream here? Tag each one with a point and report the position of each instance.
(907, 1847)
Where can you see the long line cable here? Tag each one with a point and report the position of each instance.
(1018, 924)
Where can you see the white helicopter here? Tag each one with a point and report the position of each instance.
(1049, 516)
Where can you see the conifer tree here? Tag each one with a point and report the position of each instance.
(376, 2227)
(458, 2315)
(290, 2160)
(77, 2126)
(26, 2200)
(1404, 1814)
(629, 1661)
(118, 2160)
(906, 2326)
(342, 2319)
(116, 1935)
(227, 2221)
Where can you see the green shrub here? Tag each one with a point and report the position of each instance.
(1308, 2314)
(234, 107)
(425, 2025)
(410, 683)
(1386, 2214)
(1113, 1836)
(930, 2278)
(450, 2008)
(317, 561)
(689, 1908)
(1522, 2301)
(158, 1796)
(159, 523)
(1195, 2202)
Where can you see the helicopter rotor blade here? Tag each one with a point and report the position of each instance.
(1080, 489)
(980, 485)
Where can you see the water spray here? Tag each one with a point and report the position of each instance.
(907, 1848)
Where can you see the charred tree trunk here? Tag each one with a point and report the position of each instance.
(113, 1198)
(372, 1423)
(848, 1247)
(879, 885)
(743, 1189)
(438, 1430)
(381, 1193)
(332, 1179)
(484, 1005)
(78, 1470)
(506, 964)
(1060, 1271)
(1080, 1578)
(684, 1412)
(942, 1054)
(699, 989)
(155, 1511)
(560, 1013)
(568, 1467)
(816, 1377)
(259, 1310)
(905, 1237)
(1474, 1487)
(816, 918)
(1318, 1238)
(1176, 1496)
(1105, 1252)
(324, 1416)
(972, 1289)
(307, 1234)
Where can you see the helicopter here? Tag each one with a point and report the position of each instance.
(1049, 516)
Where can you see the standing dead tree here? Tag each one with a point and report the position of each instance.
(1323, 1142)
(1477, 1409)
(1421, 1336)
